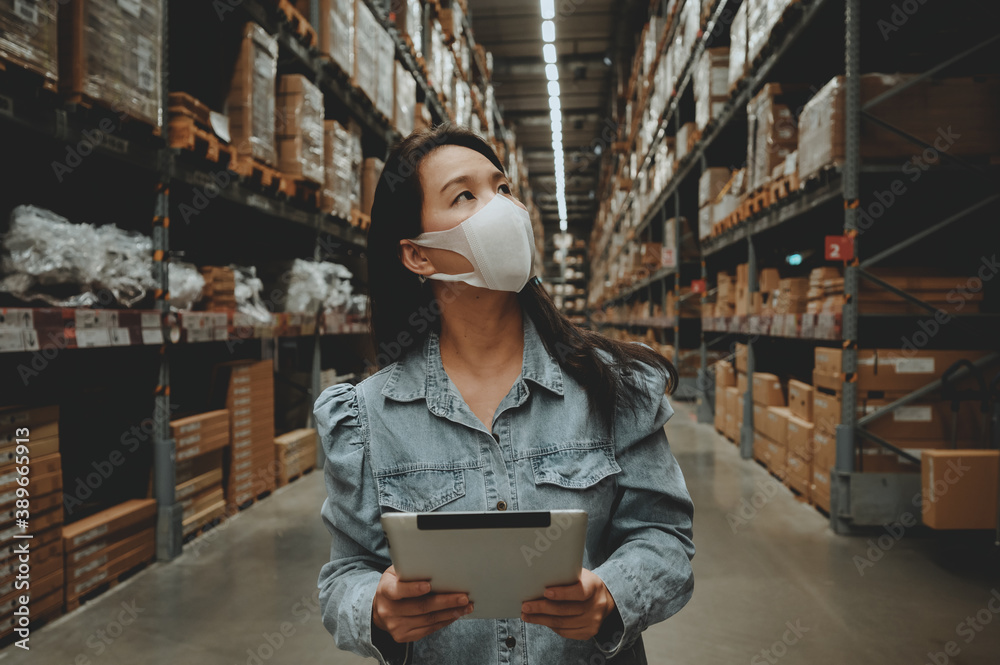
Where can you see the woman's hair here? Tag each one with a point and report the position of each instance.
(401, 305)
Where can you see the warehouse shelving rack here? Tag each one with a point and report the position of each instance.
(43, 118)
(554, 273)
(858, 499)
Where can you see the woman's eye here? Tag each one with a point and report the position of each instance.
(505, 189)
(466, 194)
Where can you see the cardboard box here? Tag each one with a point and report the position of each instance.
(777, 424)
(892, 369)
(924, 420)
(959, 488)
(819, 492)
(28, 37)
(777, 458)
(720, 409)
(16, 417)
(83, 562)
(767, 389)
(300, 130)
(798, 475)
(336, 32)
(114, 519)
(826, 412)
(250, 104)
(760, 422)
(711, 184)
(800, 399)
(741, 382)
(741, 357)
(725, 375)
(800, 438)
(111, 570)
(824, 449)
(367, 35)
(734, 413)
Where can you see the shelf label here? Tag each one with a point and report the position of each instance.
(199, 335)
(150, 320)
(152, 336)
(89, 338)
(838, 248)
(26, 10)
(912, 414)
(698, 286)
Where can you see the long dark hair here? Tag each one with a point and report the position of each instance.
(399, 301)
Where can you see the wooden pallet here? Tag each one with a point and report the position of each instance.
(758, 200)
(82, 103)
(360, 220)
(783, 187)
(258, 175)
(302, 191)
(104, 587)
(38, 621)
(201, 529)
(303, 30)
(292, 479)
(185, 134)
(253, 500)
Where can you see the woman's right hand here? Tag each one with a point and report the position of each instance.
(408, 611)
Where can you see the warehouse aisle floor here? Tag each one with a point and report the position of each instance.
(780, 582)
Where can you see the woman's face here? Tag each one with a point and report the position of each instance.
(456, 182)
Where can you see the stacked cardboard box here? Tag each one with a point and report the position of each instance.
(725, 377)
(711, 85)
(294, 453)
(792, 296)
(762, 16)
(743, 289)
(219, 291)
(199, 434)
(200, 489)
(299, 131)
(409, 19)
(960, 488)
(28, 36)
(251, 101)
(403, 117)
(713, 185)
(800, 437)
(725, 298)
(341, 164)
(38, 450)
(370, 172)
(826, 290)
(770, 422)
(970, 103)
(367, 35)
(103, 546)
(738, 46)
(336, 32)
(772, 131)
(934, 289)
(246, 389)
(385, 74)
(111, 52)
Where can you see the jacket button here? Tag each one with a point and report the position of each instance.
(501, 505)
(511, 643)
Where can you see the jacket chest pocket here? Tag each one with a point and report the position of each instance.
(420, 490)
(574, 467)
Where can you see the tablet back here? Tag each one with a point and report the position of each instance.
(500, 559)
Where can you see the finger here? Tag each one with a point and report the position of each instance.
(575, 592)
(554, 608)
(433, 603)
(554, 622)
(395, 589)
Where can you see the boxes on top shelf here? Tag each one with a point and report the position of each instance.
(385, 61)
(368, 33)
(762, 16)
(299, 127)
(250, 104)
(711, 85)
(111, 53)
(409, 20)
(336, 31)
(772, 130)
(738, 46)
(405, 97)
(28, 36)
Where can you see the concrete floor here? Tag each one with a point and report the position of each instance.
(228, 595)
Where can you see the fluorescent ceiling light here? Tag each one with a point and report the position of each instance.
(549, 52)
(553, 88)
(548, 31)
(554, 103)
(552, 72)
(548, 8)
(562, 225)
(555, 116)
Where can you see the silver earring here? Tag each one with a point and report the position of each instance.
(421, 278)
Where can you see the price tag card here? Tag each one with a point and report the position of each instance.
(838, 248)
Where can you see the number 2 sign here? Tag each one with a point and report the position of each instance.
(839, 248)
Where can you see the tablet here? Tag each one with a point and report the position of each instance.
(501, 559)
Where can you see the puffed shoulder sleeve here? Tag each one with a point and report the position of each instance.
(649, 572)
(350, 512)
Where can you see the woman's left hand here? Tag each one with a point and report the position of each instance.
(575, 612)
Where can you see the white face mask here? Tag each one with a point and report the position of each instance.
(498, 241)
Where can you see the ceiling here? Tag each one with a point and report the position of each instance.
(585, 36)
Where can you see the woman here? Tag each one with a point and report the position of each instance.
(492, 400)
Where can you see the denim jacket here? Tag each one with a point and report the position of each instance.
(405, 440)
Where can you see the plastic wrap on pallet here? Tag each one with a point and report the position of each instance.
(251, 101)
(386, 76)
(367, 33)
(772, 132)
(758, 27)
(66, 264)
(650, 42)
(711, 85)
(313, 285)
(28, 36)
(463, 104)
(409, 21)
(738, 45)
(691, 17)
(110, 51)
(248, 292)
(186, 284)
(300, 127)
(405, 100)
(337, 160)
(336, 32)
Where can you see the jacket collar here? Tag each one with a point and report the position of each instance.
(421, 375)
